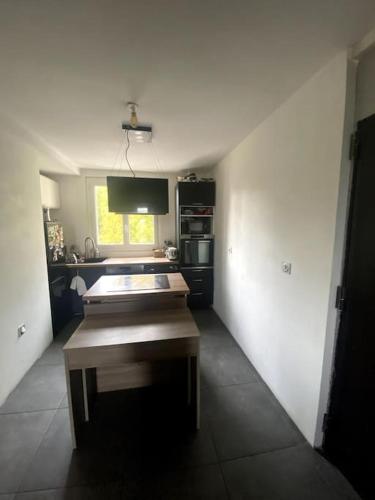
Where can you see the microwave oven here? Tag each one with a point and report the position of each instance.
(196, 226)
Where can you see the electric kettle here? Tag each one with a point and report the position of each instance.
(171, 253)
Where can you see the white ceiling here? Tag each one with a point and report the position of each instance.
(204, 73)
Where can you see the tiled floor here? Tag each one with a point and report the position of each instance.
(139, 447)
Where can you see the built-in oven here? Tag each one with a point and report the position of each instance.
(197, 252)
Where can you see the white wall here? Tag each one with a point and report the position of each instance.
(24, 296)
(50, 193)
(277, 196)
(366, 85)
(77, 215)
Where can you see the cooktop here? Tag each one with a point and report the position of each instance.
(140, 282)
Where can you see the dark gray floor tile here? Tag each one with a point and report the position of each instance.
(225, 367)
(111, 491)
(207, 318)
(55, 465)
(237, 401)
(201, 483)
(178, 447)
(42, 388)
(138, 446)
(20, 435)
(216, 338)
(53, 355)
(10, 496)
(245, 421)
(64, 335)
(64, 403)
(214, 334)
(103, 458)
(289, 474)
(162, 431)
(240, 437)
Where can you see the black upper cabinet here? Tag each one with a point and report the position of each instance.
(197, 194)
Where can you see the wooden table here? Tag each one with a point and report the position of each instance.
(107, 295)
(111, 351)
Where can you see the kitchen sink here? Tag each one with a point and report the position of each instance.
(92, 260)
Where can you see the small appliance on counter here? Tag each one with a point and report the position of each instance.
(171, 253)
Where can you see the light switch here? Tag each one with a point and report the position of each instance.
(21, 329)
(286, 267)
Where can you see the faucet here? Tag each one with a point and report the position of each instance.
(94, 249)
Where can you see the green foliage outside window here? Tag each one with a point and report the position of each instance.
(141, 229)
(111, 225)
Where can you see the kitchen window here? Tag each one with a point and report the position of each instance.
(121, 231)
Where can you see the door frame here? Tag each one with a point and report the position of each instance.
(339, 250)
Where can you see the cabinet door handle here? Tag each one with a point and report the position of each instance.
(197, 270)
(56, 280)
(197, 293)
(198, 280)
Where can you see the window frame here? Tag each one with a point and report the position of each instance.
(120, 249)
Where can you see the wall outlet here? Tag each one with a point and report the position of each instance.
(21, 330)
(286, 267)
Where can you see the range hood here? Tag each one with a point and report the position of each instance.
(138, 195)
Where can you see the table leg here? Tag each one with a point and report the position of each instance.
(189, 381)
(70, 404)
(85, 396)
(195, 377)
(81, 386)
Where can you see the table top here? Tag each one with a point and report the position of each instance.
(110, 287)
(111, 330)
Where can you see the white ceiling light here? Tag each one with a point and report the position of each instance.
(138, 136)
(136, 133)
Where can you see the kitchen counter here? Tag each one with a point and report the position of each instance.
(120, 261)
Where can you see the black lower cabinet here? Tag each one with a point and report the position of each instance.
(60, 297)
(161, 268)
(90, 276)
(201, 284)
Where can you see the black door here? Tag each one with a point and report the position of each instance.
(349, 440)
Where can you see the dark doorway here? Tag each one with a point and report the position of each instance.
(349, 440)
